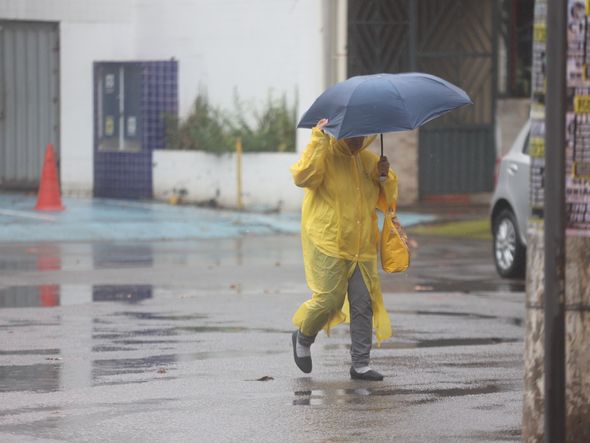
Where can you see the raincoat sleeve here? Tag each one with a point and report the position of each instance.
(387, 192)
(308, 172)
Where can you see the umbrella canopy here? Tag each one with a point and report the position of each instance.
(372, 104)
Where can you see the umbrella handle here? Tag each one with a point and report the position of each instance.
(382, 178)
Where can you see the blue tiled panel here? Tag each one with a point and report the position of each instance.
(159, 97)
(129, 174)
(123, 174)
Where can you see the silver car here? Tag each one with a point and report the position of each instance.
(510, 208)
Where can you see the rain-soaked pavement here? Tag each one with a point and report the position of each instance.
(189, 340)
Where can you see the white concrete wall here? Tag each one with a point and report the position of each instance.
(266, 180)
(89, 31)
(254, 47)
(111, 41)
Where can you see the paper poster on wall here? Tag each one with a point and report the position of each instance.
(109, 126)
(577, 146)
(577, 149)
(537, 135)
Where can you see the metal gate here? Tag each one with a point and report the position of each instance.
(456, 40)
(29, 100)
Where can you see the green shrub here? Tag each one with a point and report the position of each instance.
(211, 129)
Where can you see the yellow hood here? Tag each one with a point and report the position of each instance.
(342, 147)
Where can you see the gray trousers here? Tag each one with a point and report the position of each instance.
(361, 321)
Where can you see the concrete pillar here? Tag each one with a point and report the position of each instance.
(532, 418)
(577, 339)
(577, 294)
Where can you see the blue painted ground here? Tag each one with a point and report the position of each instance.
(105, 219)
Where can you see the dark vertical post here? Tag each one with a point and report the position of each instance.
(554, 212)
(413, 34)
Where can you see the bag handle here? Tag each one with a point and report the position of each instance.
(392, 208)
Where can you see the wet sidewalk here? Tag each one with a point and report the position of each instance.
(88, 219)
(188, 339)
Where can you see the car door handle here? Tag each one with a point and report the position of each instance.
(512, 168)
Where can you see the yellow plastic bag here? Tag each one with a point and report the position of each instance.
(395, 253)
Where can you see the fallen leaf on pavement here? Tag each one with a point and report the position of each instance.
(423, 288)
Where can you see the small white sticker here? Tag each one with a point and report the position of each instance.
(109, 83)
(131, 126)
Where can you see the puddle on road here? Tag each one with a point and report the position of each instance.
(325, 397)
(37, 377)
(48, 377)
(114, 345)
(427, 285)
(516, 321)
(437, 343)
(52, 295)
(153, 316)
(108, 367)
(444, 342)
(31, 352)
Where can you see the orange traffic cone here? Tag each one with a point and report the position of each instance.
(49, 196)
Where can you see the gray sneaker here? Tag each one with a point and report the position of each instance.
(303, 363)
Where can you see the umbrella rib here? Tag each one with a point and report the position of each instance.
(402, 99)
(366, 79)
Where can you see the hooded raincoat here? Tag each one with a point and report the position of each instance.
(339, 230)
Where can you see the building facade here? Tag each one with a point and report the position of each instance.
(53, 83)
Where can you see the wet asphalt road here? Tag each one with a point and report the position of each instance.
(166, 341)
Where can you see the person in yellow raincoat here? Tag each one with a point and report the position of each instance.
(344, 183)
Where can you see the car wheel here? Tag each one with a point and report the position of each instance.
(509, 252)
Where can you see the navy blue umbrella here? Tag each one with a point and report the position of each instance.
(373, 104)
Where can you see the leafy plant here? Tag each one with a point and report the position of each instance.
(208, 128)
(205, 129)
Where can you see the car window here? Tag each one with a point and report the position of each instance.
(525, 147)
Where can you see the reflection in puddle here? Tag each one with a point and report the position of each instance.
(437, 343)
(311, 397)
(125, 293)
(114, 344)
(443, 342)
(50, 295)
(153, 316)
(114, 335)
(31, 352)
(101, 368)
(113, 255)
(47, 257)
(38, 378)
(516, 321)
(29, 296)
(106, 348)
(470, 286)
(455, 284)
